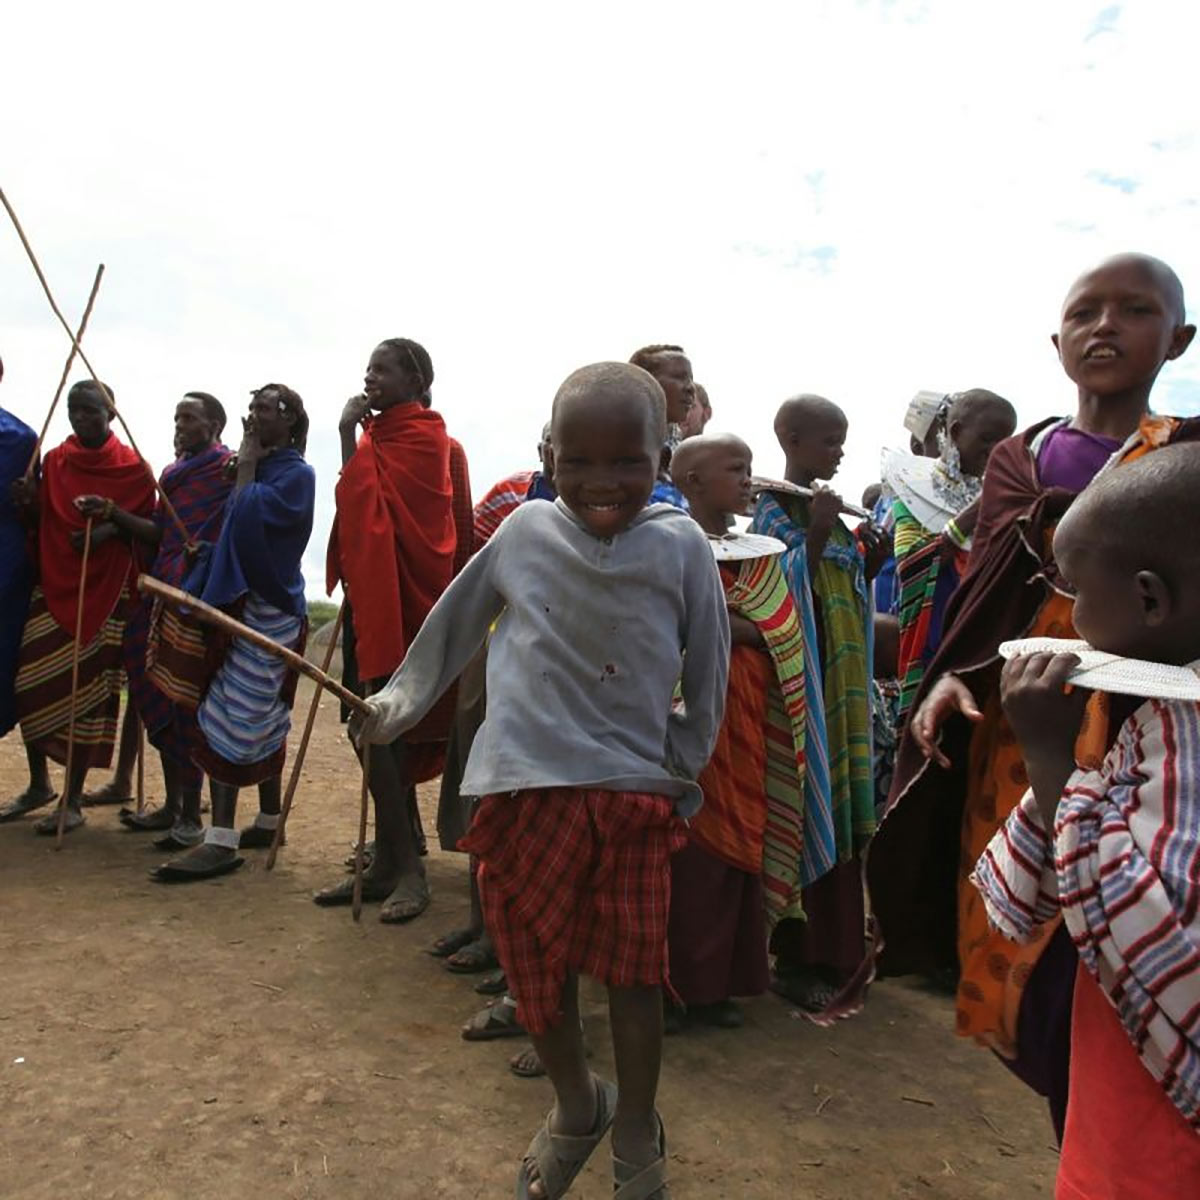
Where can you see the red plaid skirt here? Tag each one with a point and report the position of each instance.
(575, 880)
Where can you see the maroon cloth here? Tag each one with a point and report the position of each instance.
(717, 932)
(575, 881)
(834, 934)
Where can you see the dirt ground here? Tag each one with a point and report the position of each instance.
(230, 1039)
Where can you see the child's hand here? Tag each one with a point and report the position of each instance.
(824, 508)
(877, 548)
(1043, 714)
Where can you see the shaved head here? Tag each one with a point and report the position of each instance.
(968, 404)
(1141, 512)
(1157, 273)
(695, 452)
(806, 409)
(613, 387)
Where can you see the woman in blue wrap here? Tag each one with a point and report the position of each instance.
(253, 572)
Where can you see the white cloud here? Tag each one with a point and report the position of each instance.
(860, 200)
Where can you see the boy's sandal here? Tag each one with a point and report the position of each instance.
(559, 1157)
(452, 942)
(472, 959)
(631, 1182)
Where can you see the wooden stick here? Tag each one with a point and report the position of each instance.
(205, 613)
(167, 505)
(761, 484)
(62, 804)
(356, 907)
(141, 766)
(298, 761)
(62, 382)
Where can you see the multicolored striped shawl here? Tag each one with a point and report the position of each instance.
(1122, 869)
(839, 772)
(927, 581)
(760, 594)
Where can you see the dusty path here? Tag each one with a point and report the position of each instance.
(231, 1040)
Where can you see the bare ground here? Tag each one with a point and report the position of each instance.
(230, 1039)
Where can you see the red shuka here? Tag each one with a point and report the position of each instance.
(115, 472)
(393, 539)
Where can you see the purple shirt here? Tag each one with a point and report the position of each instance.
(1071, 459)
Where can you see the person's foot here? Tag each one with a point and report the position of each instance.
(116, 791)
(409, 899)
(452, 942)
(639, 1160)
(563, 1145)
(47, 826)
(495, 983)
(808, 988)
(202, 862)
(257, 837)
(471, 959)
(153, 820)
(375, 889)
(30, 800)
(527, 1064)
(498, 1020)
(183, 835)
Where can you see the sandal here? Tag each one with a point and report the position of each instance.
(202, 862)
(452, 942)
(495, 984)
(471, 959)
(559, 1157)
(47, 826)
(807, 990)
(342, 892)
(410, 904)
(103, 796)
(28, 801)
(631, 1182)
(155, 820)
(499, 1020)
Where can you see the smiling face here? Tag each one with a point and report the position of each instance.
(674, 372)
(604, 460)
(390, 379)
(194, 430)
(1120, 323)
(89, 415)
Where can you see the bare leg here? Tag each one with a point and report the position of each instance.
(562, 1054)
(397, 858)
(120, 787)
(261, 832)
(218, 853)
(636, 1016)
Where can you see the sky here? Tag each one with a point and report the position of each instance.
(856, 199)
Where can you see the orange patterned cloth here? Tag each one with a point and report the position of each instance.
(733, 820)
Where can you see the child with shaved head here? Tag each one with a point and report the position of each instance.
(602, 606)
(959, 771)
(1114, 847)
(829, 570)
(742, 845)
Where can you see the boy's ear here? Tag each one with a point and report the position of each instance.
(1181, 339)
(1155, 598)
(1058, 348)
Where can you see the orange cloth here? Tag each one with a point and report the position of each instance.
(1124, 1139)
(734, 817)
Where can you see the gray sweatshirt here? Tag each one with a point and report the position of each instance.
(589, 645)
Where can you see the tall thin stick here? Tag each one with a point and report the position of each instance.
(141, 766)
(62, 382)
(364, 800)
(298, 761)
(205, 613)
(62, 803)
(167, 505)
